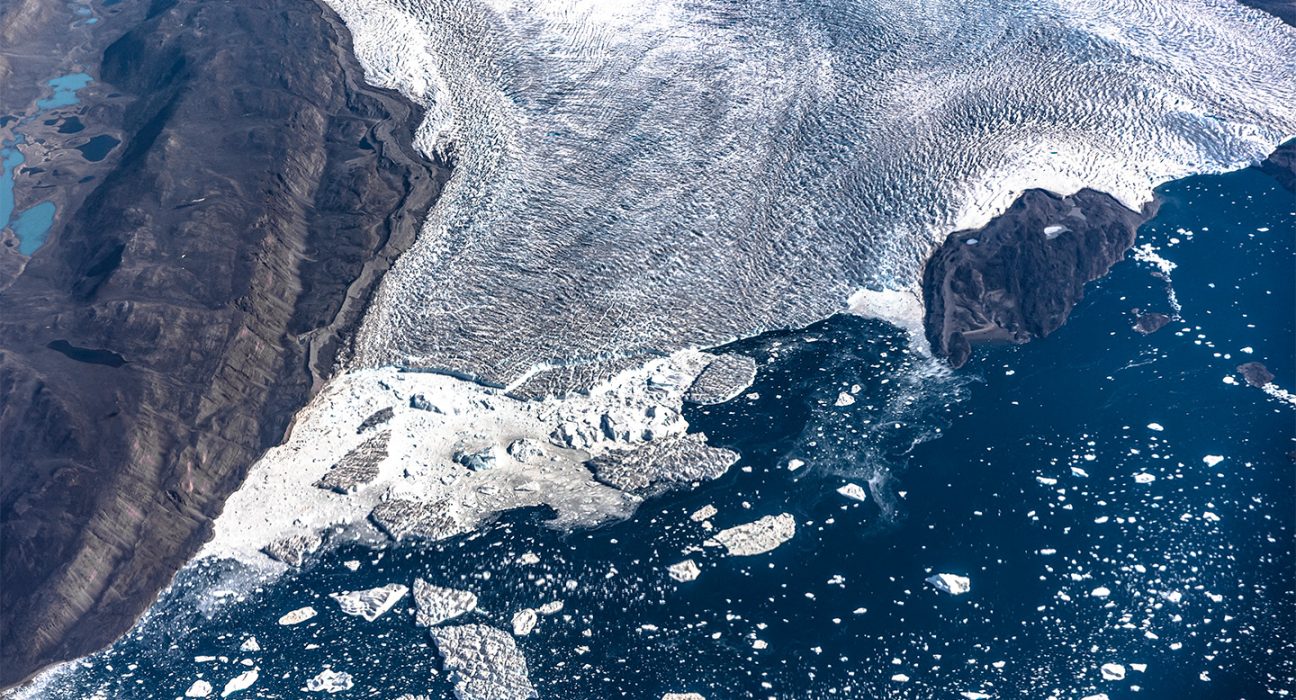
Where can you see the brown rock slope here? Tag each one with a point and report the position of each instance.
(175, 321)
(1019, 277)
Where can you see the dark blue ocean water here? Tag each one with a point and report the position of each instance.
(1017, 471)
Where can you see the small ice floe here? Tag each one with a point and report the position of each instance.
(550, 608)
(298, 616)
(242, 681)
(1054, 230)
(329, 681)
(1046, 480)
(855, 492)
(1098, 696)
(1140, 668)
(1112, 672)
(900, 678)
(351, 564)
(1212, 460)
(682, 696)
(434, 604)
(706, 512)
(199, 689)
(844, 399)
(794, 464)
(1100, 592)
(756, 537)
(370, 604)
(529, 558)
(974, 695)
(759, 644)
(1155, 426)
(250, 645)
(952, 584)
(524, 621)
(1144, 478)
(684, 571)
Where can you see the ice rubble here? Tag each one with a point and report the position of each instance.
(629, 430)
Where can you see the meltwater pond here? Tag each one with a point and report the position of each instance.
(1122, 504)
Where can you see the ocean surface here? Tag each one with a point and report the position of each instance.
(1114, 498)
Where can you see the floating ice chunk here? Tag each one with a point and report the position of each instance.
(1100, 592)
(1155, 426)
(329, 681)
(706, 512)
(756, 537)
(952, 584)
(199, 689)
(1098, 696)
(529, 558)
(484, 663)
(844, 399)
(1046, 480)
(684, 571)
(372, 603)
(974, 695)
(759, 644)
(550, 608)
(435, 604)
(524, 621)
(1144, 478)
(203, 658)
(242, 681)
(1113, 672)
(854, 492)
(351, 564)
(900, 678)
(722, 379)
(1138, 667)
(298, 616)
(794, 464)
(250, 645)
(1212, 460)
(682, 696)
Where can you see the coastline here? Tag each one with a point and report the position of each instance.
(222, 255)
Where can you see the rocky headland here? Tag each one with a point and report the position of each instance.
(1018, 278)
(197, 286)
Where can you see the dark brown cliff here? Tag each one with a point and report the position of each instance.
(1019, 277)
(187, 303)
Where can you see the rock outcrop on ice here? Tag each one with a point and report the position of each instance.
(484, 663)
(756, 537)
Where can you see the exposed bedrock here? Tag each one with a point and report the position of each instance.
(260, 191)
(1019, 277)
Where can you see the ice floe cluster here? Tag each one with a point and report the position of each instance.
(420, 454)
